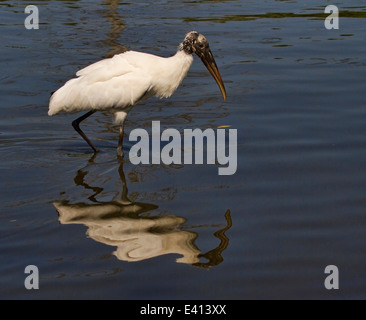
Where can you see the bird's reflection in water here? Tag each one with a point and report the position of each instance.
(126, 225)
(116, 29)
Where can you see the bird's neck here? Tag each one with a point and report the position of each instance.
(183, 58)
(181, 63)
(176, 69)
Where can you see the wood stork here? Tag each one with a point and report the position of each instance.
(119, 83)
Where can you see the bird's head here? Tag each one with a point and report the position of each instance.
(197, 43)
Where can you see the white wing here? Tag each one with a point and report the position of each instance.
(117, 83)
(115, 66)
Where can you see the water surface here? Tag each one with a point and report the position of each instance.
(97, 228)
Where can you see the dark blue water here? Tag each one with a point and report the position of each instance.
(98, 228)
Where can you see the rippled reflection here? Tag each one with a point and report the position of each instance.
(116, 30)
(138, 235)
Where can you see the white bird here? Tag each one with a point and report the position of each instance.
(119, 83)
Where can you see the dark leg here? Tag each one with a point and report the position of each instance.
(120, 141)
(120, 118)
(124, 195)
(76, 126)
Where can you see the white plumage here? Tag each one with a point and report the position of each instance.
(119, 83)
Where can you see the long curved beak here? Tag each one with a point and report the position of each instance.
(209, 61)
